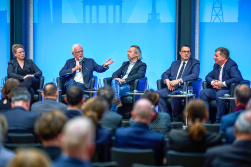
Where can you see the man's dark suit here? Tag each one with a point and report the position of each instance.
(234, 155)
(111, 120)
(228, 120)
(48, 105)
(138, 71)
(139, 136)
(88, 66)
(66, 161)
(72, 113)
(230, 74)
(20, 120)
(191, 72)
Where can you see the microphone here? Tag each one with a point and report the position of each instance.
(80, 63)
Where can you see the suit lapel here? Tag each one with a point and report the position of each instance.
(125, 68)
(177, 69)
(187, 66)
(133, 66)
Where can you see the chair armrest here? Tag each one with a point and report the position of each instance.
(94, 82)
(196, 84)
(206, 85)
(140, 84)
(160, 84)
(60, 84)
(41, 86)
(233, 85)
(107, 81)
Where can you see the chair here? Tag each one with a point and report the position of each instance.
(13, 146)
(21, 138)
(62, 92)
(185, 159)
(196, 84)
(104, 164)
(125, 123)
(177, 125)
(230, 105)
(126, 157)
(214, 128)
(128, 101)
(140, 165)
(37, 93)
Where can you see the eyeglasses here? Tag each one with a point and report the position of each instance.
(81, 51)
(21, 52)
(185, 51)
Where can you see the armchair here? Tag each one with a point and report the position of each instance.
(62, 92)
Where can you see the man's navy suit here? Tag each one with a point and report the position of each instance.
(139, 136)
(228, 120)
(237, 154)
(88, 66)
(72, 113)
(66, 161)
(191, 72)
(20, 120)
(230, 74)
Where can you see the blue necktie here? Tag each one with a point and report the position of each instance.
(181, 70)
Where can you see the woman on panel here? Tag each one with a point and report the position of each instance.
(194, 138)
(6, 91)
(25, 70)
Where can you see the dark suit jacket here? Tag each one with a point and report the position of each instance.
(88, 66)
(65, 161)
(111, 120)
(72, 113)
(138, 71)
(13, 65)
(180, 141)
(53, 152)
(20, 120)
(48, 105)
(191, 72)
(230, 74)
(228, 120)
(230, 135)
(139, 136)
(237, 154)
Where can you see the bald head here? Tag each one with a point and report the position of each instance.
(243, 94)
(142, 111)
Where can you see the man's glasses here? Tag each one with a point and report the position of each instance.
(185, 51)
(81, 51)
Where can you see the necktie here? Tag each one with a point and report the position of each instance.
(181, 70)
(219, 73)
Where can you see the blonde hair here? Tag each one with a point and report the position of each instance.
(15, 47)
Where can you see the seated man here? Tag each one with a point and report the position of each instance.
(79, 70)
(237, 154)
(49, 127)
(50, 94)
(19, 118)
(139, 136)
(181, 71)
(224, 73)
(78, 143)
(124, 77)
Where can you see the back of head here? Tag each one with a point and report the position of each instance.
(50, 124)
(242, 93)
(196, 112)
(78, 135)
(142, 111)
(20, 94)
(243, 124)
(30, 157)
(94, 108)
(4, 125)
(74, 95)
(107, 93)
(8, 87)
(152, 95)
(50, 89)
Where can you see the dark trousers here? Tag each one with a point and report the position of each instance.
(32, 84)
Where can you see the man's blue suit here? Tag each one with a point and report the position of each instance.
(191, 72)
(66, 161)
(228, 120)
(139, 136)
(72, 113)
(88, 66)
(230, 74)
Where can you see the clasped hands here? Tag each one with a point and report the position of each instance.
(217, 84)
(28, 75)
(171, 84)
(120, 80)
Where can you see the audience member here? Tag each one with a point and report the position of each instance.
(30, 157)
(74, 98)
(161, 121)
(139, 136)
(49, 127)
(194, 138)
(6, 91)
(94, 109)
(19, 118)
(237, 154)
(110, 120)
(50, 94)
(78, 143)
(249, 105)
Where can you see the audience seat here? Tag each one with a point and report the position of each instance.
(140, 165)
(177, 125)
(104, 164)
(214, 128)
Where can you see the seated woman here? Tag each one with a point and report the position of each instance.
(161, 121)
(24, 70)
(94, 109)
(194, 138)
(6, 91)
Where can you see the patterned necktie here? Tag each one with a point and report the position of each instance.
(181, 70)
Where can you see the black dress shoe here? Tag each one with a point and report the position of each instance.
(217, 121)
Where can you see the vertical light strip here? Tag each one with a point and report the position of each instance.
(177, 30)
(197, 29)
(30, 28)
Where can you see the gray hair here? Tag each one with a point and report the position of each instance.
(243, 122)
(223, 52)
(74, 46)
(249, 104)
(1, 134)
(138, 51)
(20, 93)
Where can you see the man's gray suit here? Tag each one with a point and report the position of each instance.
(48, 105)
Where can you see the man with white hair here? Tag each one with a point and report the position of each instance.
(78, 143)
(79, 70)
(237, 154)
(139, 136)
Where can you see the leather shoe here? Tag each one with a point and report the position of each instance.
(217, 121)
(116, 101)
